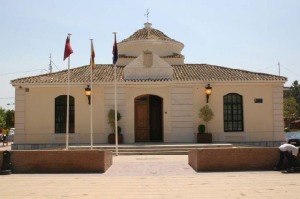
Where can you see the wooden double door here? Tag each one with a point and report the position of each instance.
(148, 115)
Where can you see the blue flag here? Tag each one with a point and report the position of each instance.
(115, 51)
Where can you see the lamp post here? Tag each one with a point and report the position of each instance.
(88, 93)
(208, 89)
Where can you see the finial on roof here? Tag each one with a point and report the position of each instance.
(148, 25)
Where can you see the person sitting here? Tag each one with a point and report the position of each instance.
(290, 152)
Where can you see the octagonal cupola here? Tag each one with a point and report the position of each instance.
(150, 39)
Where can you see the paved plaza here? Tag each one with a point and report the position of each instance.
(152, 176)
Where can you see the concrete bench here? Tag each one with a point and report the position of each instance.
(233, 159)
(60, 161)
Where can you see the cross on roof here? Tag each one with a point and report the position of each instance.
(147, 15)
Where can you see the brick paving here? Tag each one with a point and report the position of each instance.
(151, 176)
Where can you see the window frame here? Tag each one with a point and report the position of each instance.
(60, 110)
(233, 113)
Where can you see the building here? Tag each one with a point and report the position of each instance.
(159, 98)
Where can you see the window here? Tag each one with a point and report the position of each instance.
(233, 112)
(61, 114)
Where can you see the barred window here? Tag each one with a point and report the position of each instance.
(61, 114)
(233, 112)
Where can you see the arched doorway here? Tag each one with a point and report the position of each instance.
(148, 116)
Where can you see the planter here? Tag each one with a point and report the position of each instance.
(111, 139)
(204, 138)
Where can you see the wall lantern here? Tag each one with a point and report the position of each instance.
(88, 93)
(208, 92)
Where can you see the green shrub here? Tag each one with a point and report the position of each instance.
(201, 128)
(111, 120)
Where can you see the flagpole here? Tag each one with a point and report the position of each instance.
(68, 101)
(91, 108)
(116, 110)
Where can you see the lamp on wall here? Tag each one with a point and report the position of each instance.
(208, 92)
(88, 93)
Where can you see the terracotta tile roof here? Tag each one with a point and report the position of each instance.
(175, 55)
(148, 34)
(126, 56)
(205, 72)
(104, 73)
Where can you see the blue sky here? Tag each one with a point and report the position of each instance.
(251, 35)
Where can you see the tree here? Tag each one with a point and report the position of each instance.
(7, 118)
(10, 118)
(2, 118)
(206, 114)
(295, 90)
(291, 108)
(111, 120)
(295, 93)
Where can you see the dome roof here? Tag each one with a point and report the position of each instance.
(148, 33)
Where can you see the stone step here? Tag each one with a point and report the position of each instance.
(151, 152)
(153, 149)
(157, 151)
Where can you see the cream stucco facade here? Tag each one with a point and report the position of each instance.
(149, 66)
